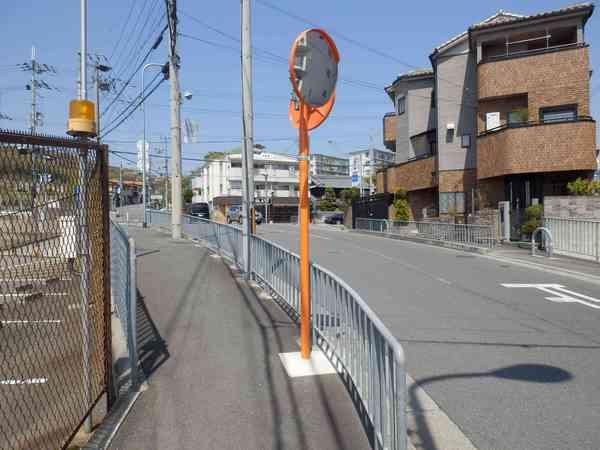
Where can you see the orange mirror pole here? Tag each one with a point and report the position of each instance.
(305, 341)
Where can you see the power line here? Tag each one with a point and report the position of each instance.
(118, 41)
(133, 110)
(156, 44)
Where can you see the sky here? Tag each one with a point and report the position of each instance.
(377, 41)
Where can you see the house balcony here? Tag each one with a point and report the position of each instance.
(536, 147)
(390, 123)
(411, 175)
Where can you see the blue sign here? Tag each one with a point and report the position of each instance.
(355, 178)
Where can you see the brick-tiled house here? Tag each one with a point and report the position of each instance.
(502, 115)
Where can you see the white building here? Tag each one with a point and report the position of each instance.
(275, 175)
(364, 164)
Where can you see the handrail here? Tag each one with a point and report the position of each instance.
(533, 123)
(350, 334)
(548, 247)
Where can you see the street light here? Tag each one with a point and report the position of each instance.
(144, 187)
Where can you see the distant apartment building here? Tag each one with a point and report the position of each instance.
(326, 171)
(329, 165)
(275, 181)
(502, 115)
(365, 163)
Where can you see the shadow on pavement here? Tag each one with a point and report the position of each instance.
(264, 319)
(152, 349)
(533, 373)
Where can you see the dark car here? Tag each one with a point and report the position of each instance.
(200, 210)
(335, 218)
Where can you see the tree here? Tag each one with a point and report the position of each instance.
(349, 196)
(532, 219)
(215, 155)
(401, 210)
(328, 203)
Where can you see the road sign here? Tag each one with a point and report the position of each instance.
(313, 67)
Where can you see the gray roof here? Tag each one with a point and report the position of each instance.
(579, 7)
(416, 73)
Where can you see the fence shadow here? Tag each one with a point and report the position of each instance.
(152, 348)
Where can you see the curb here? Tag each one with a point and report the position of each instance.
(452, 245)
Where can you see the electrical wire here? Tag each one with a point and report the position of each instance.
(133, 110)
(115, 98)
(118, 41)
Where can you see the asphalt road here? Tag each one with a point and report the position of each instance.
(511, 368)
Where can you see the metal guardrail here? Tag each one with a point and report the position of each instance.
(578, 238)
(124, 291)
(481, 236)
(347, 330)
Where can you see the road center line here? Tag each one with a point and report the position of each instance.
(25, 322)
(25, 381)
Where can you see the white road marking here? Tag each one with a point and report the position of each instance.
(27, 294)
(25, 381)
(559, 293)
(15, 322)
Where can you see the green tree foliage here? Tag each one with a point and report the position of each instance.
(215, 155)
(350, 195)
(582, 186)
(532, 219)
(401, 209)
(328, 202)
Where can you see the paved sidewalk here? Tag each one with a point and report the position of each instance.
(211, 349)
(584, 268)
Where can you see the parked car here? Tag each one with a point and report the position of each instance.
(335, 218)
(200, 210)
(234, 214)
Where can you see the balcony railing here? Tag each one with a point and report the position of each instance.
(533, 123)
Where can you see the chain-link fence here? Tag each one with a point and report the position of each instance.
(54, 306)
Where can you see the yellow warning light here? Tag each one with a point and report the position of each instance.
(82, 118)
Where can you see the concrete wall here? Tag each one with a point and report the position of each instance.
(572, 206)
(456, 92)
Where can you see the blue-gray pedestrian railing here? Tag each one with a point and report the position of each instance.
(124, 290)
(575, 237)
(355, 340)
(482, 236)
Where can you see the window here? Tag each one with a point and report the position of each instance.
(292, 170)
(400, 104)
(452, 202)
(558, 113)
(236, 164)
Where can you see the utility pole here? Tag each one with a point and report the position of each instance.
(166, 174)
(33, 92)
(247, 137)
(176, 196)
(121, 185)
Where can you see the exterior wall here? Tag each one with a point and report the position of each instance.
(456, 93)
(420, 200)
(566, 146)
(410, 176)
(420, 114)
(417, 118)
(457, 180)
(550, 79)
(572, 206)
(491, 191)
(329, 165)
(390, 130)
